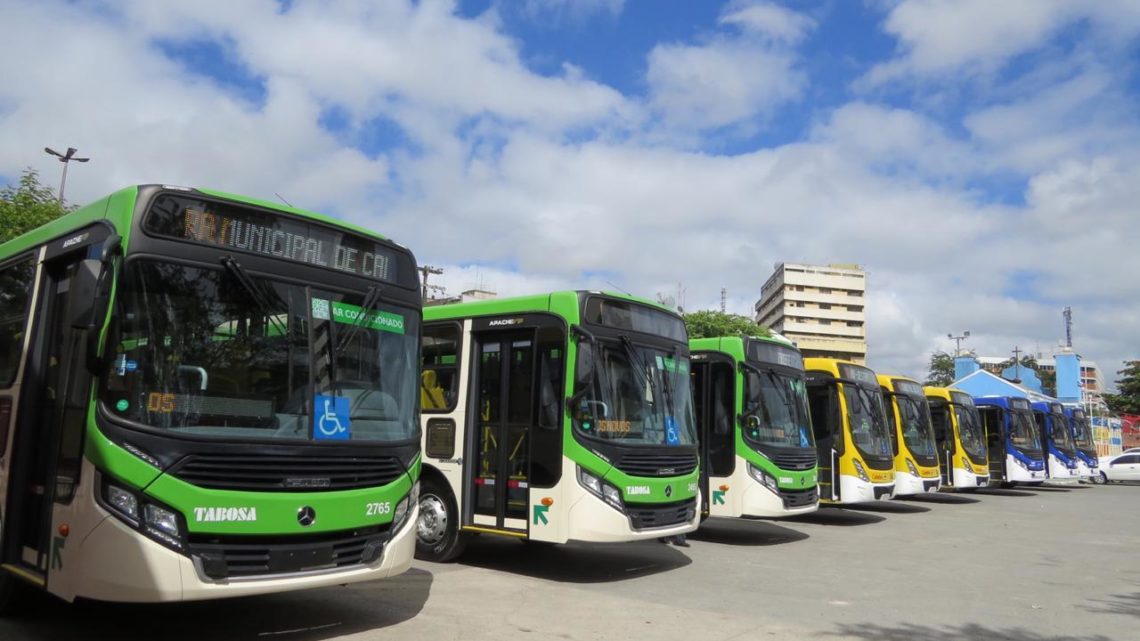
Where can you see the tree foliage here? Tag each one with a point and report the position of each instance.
(941, 372)
(711, 324)
(28, 205)
(1127, 398)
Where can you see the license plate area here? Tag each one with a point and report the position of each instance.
(301, 557)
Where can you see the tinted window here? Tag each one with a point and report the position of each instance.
(15, 292)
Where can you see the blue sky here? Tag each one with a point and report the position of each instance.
(980, 159)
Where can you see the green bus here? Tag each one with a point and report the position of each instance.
(758, 455)
(556, 417)
(204, 395)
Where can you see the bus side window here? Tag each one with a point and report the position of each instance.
(890, 405)
(440, 367)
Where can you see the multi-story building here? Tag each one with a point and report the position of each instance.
(819, 307)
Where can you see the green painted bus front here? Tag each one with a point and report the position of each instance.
(586, 495)
(144, 510)
(735, 490)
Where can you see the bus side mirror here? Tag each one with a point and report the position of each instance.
(82, 293)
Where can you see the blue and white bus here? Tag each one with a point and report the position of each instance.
(1057, 443)
(1015, 453)
(1088, 465)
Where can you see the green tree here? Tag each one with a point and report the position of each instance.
(27, 205)
(1127, 398)
(710, 324)
(941, 372)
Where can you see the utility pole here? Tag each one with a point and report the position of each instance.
(723, 299)
(427, 270)
(958, 342)
(66, 159)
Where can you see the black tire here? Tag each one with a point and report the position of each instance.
(968, 490)
(438, 537)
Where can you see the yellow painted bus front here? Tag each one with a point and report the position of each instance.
(912, 436)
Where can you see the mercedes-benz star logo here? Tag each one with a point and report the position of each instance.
(668, 491)
(306, 516)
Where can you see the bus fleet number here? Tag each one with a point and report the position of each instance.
(376, 509)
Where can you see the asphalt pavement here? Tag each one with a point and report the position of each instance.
(1042, 564)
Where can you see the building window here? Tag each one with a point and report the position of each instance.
(825, 306)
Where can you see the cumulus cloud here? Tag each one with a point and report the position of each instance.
(736, 75)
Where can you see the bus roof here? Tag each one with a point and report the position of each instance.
(563, 303)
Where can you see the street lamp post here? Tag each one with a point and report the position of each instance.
(958, 341)
(66, 159)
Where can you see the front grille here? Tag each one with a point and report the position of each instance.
(929, 485)
(661, 514)
(793, 460)
(223, 557)
(880, 492)
(657, 464)
(800, 498)
(286, 473)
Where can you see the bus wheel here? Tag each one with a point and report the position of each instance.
(437, 532)
(1099, 479)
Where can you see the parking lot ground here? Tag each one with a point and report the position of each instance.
(1041, 564)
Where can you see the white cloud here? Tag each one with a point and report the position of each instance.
(733, 77)
(556, 11)
(943, 37)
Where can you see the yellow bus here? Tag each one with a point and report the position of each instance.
(912, 436)
(852, 437)
(962, 451)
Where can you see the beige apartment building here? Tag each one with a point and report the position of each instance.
(820, 307)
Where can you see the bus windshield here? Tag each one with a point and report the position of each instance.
(1062, 436)
(1084, 439)
(222, 353)
(633, 394)
(971, 432)
(776, 409)
(918, 433)
(868, 421)
(1023, 432)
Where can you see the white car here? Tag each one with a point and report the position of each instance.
(1122, 467)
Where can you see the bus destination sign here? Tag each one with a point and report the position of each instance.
(234, 227)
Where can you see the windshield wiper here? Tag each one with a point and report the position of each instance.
(370, 299)
(255, 292)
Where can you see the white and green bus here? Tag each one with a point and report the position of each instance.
(557, 417)
(202, 396)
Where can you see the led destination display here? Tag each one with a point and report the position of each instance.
(258, 232)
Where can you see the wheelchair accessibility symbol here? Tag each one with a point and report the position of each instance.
(330, 420)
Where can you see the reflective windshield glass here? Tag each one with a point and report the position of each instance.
(228, 354)
(633, 394)
(970, 431)
(776, 409)
(1084, 438)
(918, 433)
(1061, 435)
(868, 420)
(1023, 432)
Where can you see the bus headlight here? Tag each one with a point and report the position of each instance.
(762, 477)
(599, 488)
(1021, 463)
(404, 506)
(125, 502)
(860, 471)
(162, 519)
(911, 468)
(966, 464)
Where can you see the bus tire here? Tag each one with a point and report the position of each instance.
(438, 537)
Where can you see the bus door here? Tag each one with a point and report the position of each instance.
(993, 419)
(518, 387)
(827, 425)
(714, 403)
(49, 427)
(944, 439)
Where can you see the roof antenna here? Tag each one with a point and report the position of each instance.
(611, 284)
(283, 199)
